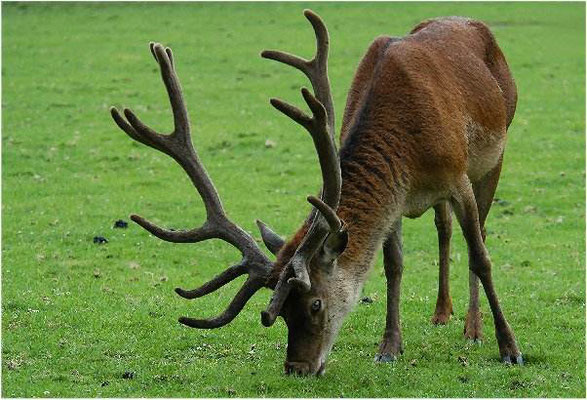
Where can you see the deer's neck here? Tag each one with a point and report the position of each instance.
(374, 185)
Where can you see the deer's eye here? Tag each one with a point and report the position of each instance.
(316, 305)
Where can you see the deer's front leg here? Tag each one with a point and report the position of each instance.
(391, 344)
(466, 210)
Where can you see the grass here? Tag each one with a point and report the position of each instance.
(76, 316)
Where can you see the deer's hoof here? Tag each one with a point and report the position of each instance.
(440, 319)
(385, 358)
(473, 326)
(519, 360)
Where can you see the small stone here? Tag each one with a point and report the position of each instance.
(13, 364)
(530, 209)
(128, 375)
(100, 240)
(121, 224)
(270, 144)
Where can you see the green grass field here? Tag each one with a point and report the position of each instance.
(76, 315)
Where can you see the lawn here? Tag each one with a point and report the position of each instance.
(81, 319)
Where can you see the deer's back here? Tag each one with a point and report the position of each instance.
(437, 101)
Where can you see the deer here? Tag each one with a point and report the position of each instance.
(424, 126)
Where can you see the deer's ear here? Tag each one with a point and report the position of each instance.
(272, 240)
(334, 245)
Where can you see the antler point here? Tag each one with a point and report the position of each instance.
(114, 112)
(181, 292)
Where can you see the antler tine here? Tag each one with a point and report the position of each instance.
(236, 305)
(178, 145)
(183, 236)
(215, 283)
(164, 57)
(280, 294)
(315, 69)
(272, 240)
(328, 213)
(323, 142)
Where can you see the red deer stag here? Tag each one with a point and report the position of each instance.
(424, 126)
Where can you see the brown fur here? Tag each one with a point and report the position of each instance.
(417, 141)
(408, 113)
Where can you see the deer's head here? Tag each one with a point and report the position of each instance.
(313, 305)
(307, 293)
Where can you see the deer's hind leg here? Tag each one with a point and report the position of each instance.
(443, 221)
(484, 191)
(391, 345)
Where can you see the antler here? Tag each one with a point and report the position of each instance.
(179, 146)
(321, 106)
(321, 127)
